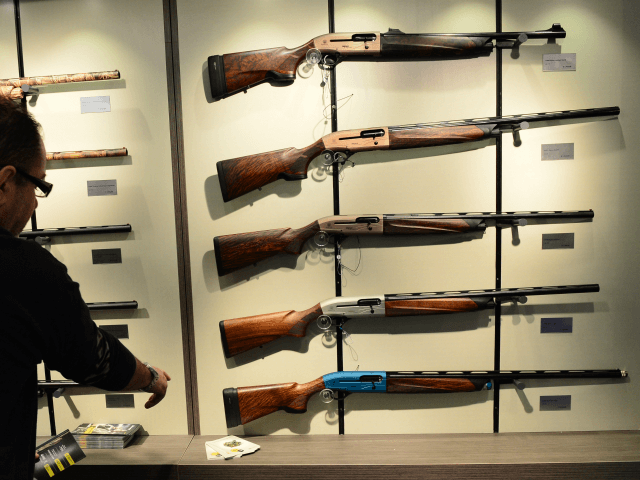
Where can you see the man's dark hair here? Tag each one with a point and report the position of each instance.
(19, 135)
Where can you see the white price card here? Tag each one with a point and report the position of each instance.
(557, 151)
(559, 62)
(95, 104)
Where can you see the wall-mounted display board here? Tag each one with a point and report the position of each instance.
(70, 37)
(579, 165)
(460, 178)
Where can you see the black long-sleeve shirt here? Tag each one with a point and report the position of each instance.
(43, 318)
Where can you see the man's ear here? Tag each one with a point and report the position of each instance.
(7, 185)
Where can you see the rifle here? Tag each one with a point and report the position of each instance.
(242, 175)
(245, 404)
(44, 235)
(12, 87)
(240, 250)
(237, 72)
(242, 334)
(116, 152)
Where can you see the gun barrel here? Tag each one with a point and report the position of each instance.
(514, 119)
(491, 215)
(509, 375)
(498, 293)
(63, 232)
(132, 305)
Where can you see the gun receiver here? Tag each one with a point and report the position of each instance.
(116, 152)
(239, 176)
(246, 404)
(12, 87)
(243, 334)
(243, 249)
(237, 72)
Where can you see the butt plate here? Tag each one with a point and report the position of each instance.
(217, 77)
(231, 407)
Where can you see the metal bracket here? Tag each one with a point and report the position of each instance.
(520, 222)
(515, 300)
(518, 383)
(332, 157)
(29, 90)
(43, 240)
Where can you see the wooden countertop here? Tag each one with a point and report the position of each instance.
(611, 455)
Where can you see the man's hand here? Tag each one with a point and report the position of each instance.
(159, 389)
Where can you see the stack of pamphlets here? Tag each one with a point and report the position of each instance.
(105, 435)
(229, 447)
(56, 455)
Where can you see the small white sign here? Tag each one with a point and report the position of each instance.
(557, 151)
(559, 62)
(95, 104)
(99, 188)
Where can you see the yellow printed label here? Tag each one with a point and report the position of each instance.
(59, 464)
(48, 469)
(90, 429)
(69, 459)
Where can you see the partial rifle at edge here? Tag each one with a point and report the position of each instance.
(12, 87)
(239, 176)
(246, 404)
(237, 72)
(113, 152)
(240, 250)
(240, 335)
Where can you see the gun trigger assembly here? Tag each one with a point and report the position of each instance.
(324, 322)
(332, 157)
(327, 395)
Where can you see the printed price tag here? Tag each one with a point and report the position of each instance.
(95, 104)
(557, 151)
(552, 241)
(559, 62)
(555, 402)
(99, 188)
(106, 255)
(556, 325)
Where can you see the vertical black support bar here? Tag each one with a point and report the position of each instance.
(496, 358)
(336, 211)
(49, 393)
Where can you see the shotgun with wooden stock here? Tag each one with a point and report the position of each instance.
(242, 334)
(12, 87)
(246, 404)
(243, 249)
(237, 72)
(242, 175)
(112, 152)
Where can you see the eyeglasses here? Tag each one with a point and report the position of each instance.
(43, 189)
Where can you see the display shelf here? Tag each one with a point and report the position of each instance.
(579, 455)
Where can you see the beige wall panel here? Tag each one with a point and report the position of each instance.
(8, 51)
(71, 37)
(441, 179)
(264, 119)
(603, 177)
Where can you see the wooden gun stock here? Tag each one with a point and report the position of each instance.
(245, 404)
(242, 175)
(242, 334)
(237, 251)
(115, 152)
(236, 72)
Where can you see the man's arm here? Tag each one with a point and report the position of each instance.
(142, 377)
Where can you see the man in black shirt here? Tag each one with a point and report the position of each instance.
(42, 314)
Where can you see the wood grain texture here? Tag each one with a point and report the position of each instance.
(243, 334)
(67, 78)
(244, 174)
(399, 308)
(424, 226)
(256, 402)
(247, 69)
(115, 152)
(240, 250)
(429, 137)
(432, 385)
(425, 46)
